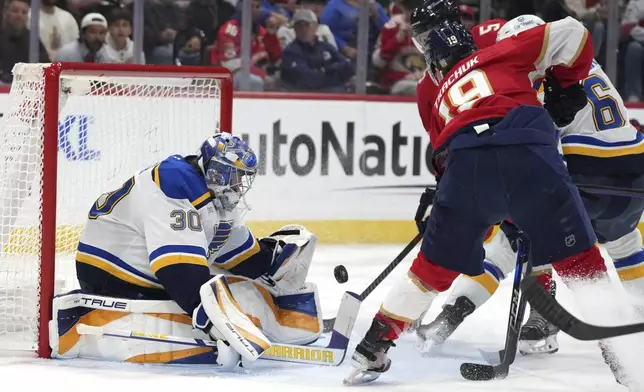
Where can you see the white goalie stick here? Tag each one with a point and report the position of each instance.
(332, 354)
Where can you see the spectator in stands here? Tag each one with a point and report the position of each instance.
(190, 48)
(14, 39)
(309, 64)
(57, 27)
(162, 19)
(273, 9)
(265, 49)
(90, 47)
(467, 16)
(401, 64)
(119, 47)
(342, 17)
(593, 14)
(206, 15)
(286, 32)
(631, 27)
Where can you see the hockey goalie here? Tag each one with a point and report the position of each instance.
(165, 256)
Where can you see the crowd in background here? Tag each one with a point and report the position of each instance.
(297, 45)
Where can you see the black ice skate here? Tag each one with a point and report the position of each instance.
(370, 359)
(437, 332)
(538, 335)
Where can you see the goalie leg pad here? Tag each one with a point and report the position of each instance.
(158, 318)
(220, 315)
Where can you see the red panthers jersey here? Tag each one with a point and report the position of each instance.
(493, 81)
(485, 34)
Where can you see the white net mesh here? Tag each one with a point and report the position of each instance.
(108, 129)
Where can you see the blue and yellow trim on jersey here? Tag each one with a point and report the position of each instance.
(169, 255)
(178, 179)
(113, 265)
(490, 279)
(631, 267)
(240, 254)
(590, 146)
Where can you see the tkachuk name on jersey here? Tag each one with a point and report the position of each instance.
(302, 353)
(454, 77)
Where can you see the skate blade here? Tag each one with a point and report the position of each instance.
(538, 347)
(357, 377)
(428, 346)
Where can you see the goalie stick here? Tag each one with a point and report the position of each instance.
(328, 324)
(552, 311)
(481, 372)
(332, 354)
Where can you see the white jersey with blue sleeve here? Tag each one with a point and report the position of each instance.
(153, 238)
(601, 140)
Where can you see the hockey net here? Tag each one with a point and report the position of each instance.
(71, 133)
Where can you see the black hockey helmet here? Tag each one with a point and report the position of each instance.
(438, 33)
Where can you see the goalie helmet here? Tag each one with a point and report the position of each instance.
(229, 166)
(518, 25)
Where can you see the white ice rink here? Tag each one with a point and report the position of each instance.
(578, 366)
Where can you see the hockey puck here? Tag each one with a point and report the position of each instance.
(477, 372)
(341, 274)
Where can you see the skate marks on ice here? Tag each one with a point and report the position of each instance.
(577, 367)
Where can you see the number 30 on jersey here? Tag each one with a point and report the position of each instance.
(464, 93)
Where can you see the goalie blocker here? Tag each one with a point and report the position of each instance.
(244, 316)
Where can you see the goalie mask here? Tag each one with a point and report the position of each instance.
(229, 166)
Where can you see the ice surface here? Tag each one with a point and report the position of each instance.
(578, 366)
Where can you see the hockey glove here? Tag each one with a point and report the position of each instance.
(422, 212)
(563, 103)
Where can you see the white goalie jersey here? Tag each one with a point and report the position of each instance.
(161, 222)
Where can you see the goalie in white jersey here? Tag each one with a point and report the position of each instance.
(157, 241)
(601, 147)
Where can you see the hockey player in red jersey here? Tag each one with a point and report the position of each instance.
(495, 152)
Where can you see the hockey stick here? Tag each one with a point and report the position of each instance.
(328, 323)
(552, 311)
(611, 190)
(480, 372)
(332, 354)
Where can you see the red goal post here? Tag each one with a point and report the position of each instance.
(39, 95)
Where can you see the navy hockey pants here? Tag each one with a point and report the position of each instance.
(481, 186)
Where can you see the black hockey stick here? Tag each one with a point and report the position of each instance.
(551, 310)
(611, 190)
(481, 372)
(328, 323)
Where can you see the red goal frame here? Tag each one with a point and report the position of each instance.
(52, 74)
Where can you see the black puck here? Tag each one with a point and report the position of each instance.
(477, 372)
(341, 274)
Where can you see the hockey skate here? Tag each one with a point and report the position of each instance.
(438, 331)
(538, 335)
(370, 359)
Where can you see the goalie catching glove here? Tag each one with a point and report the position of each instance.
(293, 247)
(563, 103)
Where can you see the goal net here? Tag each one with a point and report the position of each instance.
(71, 133)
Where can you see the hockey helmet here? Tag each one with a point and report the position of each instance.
(518, 25)
(438, 33)
(229, 166)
